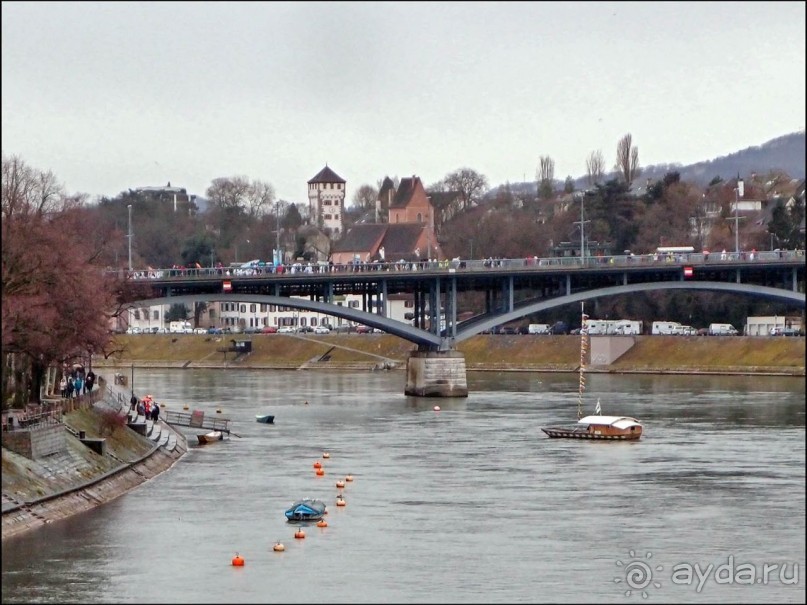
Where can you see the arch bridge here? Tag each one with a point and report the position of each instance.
(512, 288)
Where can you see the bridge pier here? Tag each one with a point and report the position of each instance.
(436, 374)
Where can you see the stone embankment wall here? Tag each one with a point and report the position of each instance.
(41, 489)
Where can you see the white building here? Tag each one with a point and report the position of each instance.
(761, 326)
(259, 315)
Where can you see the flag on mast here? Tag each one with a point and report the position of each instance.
(598, 409)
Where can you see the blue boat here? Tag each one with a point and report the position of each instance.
(307, 509)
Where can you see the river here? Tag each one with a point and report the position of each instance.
(468, 504)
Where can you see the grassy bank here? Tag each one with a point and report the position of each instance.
(497, 352)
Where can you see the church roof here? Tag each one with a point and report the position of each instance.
(326, 175)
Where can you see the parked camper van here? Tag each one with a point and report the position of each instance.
(538, 329)
(180, 327)
(628, 327)
(599, 327)
(722, 330)
(665, 327)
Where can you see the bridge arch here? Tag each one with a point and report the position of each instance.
(480, 323)
(392, 326)
(476, 325)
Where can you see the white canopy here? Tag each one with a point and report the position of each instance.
(620, 422)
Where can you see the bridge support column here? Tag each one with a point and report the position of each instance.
(436, 374)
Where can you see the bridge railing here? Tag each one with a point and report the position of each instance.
(465, 265)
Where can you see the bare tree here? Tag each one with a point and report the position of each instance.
(595, 168)
(546, 177)
(627, 159)
(239, 194)
(259, 198)
(470, 184)
(365, 197)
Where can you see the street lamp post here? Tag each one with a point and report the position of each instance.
(738, 193)
(130, 237)
(277, 249)
(582, 222)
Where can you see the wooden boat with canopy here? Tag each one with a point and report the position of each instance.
(597, 426)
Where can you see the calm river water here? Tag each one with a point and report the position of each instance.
(471, 503)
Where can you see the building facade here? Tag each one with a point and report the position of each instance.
(326, 201)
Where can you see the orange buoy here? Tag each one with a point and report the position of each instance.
(340, 484)
(318, 464)
(299, 534)
(320, 472)
(349, 478)
(238, 560)
(340, 501)
(278, 547)
(322, 523)
(326, 455)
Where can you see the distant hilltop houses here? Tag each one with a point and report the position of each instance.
(178, 195)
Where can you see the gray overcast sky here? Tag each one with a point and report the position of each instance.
(117, 95)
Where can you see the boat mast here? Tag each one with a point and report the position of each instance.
(583, 351)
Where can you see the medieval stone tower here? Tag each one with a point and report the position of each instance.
(326, 201)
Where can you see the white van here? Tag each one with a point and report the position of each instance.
(180, 327)
(666, 327)
(538, 329)
(722, 330)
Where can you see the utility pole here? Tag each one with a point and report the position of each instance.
(130, 237)
(582, 222)
(277, 215)
(738, 193)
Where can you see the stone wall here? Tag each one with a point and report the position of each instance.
(36, 442)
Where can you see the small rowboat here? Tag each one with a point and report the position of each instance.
(210, 437)
(265, 418)
(307, 509)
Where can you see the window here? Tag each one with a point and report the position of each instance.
(420, 217)
(327, 217)
(252, 308)
(263, 307)
(137, 314)
(409, 304)
(156, 315)
(212, 314)
(243, 308)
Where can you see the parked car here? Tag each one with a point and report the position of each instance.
(363, 329)
(322, 330)
(269, 330)
(305, 329)
(286, 330)
(784, 331)
(197, 331)
(252, 330)
(213, 330)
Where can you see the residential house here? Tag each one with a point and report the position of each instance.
(409, 234)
